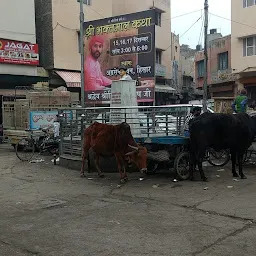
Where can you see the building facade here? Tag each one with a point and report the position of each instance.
(18, 49)
(19, 57)
(188, 89)
(243, 44)
(176, 62)
(221, 80)
(58, 37)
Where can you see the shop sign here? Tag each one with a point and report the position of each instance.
(19, 53)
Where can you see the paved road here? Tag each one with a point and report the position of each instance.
(48, 210)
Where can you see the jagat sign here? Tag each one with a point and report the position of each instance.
(127, 41)
(16, 52)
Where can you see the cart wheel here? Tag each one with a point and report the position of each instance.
(218, 159)
(181, 166)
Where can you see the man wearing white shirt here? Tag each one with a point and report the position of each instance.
(124, 75)
(56, 127)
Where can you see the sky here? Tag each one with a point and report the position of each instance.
(181, 24)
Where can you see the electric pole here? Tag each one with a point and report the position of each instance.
(205, 88)
(82, 51)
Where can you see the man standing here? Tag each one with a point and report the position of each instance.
(56, 127)
(196, 111)
(94, 79)
(240, 103)
(124, 75)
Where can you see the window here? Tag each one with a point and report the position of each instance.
(223, 61)
(249, 46)
(248, 3)
(200, 68)
(158, 56)
(158, 18)
(87, 2)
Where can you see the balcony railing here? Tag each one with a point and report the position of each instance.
(222, 76)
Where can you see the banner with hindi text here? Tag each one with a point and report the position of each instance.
(126, 40)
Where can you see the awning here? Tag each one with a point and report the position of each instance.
(22, 80)
(11, 93)
(164, 88)
(72, 79)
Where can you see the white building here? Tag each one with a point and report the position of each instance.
(18, 49)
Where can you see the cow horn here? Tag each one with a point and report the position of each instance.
(135, 148)
(129, 153)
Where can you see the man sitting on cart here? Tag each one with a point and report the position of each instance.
(196, 111)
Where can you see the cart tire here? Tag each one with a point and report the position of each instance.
(182, 171)
(222, 162)
(22, 146)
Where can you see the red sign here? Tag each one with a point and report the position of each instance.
(15, 52)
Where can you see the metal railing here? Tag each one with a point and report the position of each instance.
(144, 122)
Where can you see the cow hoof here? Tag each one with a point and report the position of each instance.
(243, 177)
(192, 178)
(204, 179)
(122, 181)
(82, 175)
(101, 175)
(126, 179)
(235, 175)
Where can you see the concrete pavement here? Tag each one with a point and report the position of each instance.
(49, 210)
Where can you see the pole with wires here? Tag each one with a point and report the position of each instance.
(82, 51)
(205, 88)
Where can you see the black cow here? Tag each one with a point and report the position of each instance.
(221, 131)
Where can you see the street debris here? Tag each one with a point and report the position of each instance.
(36, 161)
(141, 179)
(118, 186)
(175, 180)
(235, 180)
(155, 186)
(90, 178)
(221, 170)
(206, 188)
(229, 186)
(114, 222)
(218, 176)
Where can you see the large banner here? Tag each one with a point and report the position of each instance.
(127, 40)
(16, 52)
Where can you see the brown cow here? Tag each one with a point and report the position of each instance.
(108, 140)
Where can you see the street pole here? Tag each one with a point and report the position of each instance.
(82, 51)
(206, 6)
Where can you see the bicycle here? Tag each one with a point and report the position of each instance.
(26, 147)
